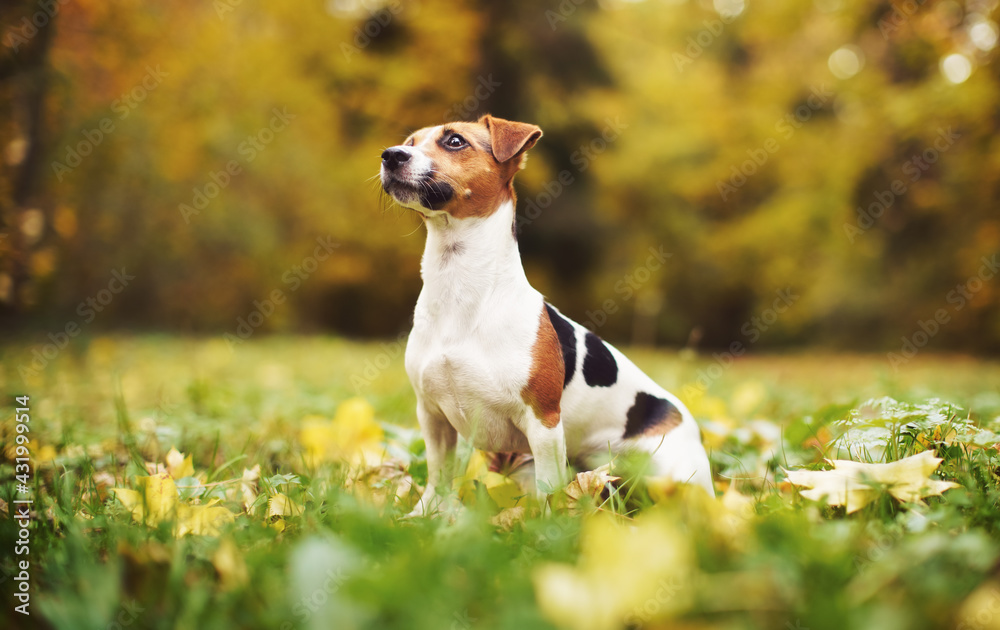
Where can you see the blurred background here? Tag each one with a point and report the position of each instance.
(790, 172)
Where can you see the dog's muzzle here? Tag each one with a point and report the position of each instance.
(408, 187)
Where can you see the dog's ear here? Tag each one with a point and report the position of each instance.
(510, 139)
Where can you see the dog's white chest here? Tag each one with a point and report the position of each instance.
(469, 390)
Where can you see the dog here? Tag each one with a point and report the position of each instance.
(488, 357)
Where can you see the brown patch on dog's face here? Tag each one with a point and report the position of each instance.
(543, 392)
(463, 168)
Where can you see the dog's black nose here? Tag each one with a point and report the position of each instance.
(393, 157)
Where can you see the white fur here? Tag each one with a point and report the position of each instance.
(469, 357)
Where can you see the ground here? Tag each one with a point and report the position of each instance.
(187, 483)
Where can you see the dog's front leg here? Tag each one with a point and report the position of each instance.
(440, 439)
(548, 447)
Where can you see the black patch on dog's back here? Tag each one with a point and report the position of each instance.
(599, 367)
(650, 412)
(567, 340)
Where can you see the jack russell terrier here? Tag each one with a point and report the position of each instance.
(488, 357)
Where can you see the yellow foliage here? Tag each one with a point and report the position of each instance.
(178, 465)
(157, 501)
(590, 484)
(281, 505)
(353, 436)
(504, 491)
(621, 569)
(980, 609)
(747, 398)
(248, 486)
(228, 561)
(202, 520)
(856, 484)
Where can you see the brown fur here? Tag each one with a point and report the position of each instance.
(545, 382)
(482, 175)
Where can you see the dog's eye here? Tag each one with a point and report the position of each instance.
(455, 141)
(409, 142)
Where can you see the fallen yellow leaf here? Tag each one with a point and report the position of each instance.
(248, 487)
(228, 561)
(856, 484)
(384, 484)
(979, 609)
(586, 488)
(179, 466)
(622, 571)
(281, 505)
(202, 520)
(507, 518)
(503, 490)
(155, 502)
(353, 436)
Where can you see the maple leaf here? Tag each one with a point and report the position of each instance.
(856, 484)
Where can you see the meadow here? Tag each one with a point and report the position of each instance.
(185, 483)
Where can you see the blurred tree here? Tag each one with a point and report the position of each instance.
(699, 157)
(24, 78)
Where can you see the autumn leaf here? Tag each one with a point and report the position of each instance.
(157, 501)
(154, 502)
(856, 484)
(386, 483)
(508, 517)
(281, 505)
(248, 487)
(622, 568)
(179, 466)
(229, 564)
(980, 608)
(504, 490)
(202, 520)
(585, 490)
(352, 436)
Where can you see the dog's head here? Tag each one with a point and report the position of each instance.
(464, 169)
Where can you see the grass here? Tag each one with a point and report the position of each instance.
(314, 539)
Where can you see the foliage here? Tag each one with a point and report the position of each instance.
(820, 148)
(182, 484)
